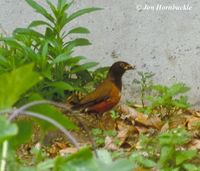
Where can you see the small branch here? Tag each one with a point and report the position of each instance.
(6, 111)
(15, 113)
(34, 103)
(56, 124)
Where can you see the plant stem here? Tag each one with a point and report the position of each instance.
(4, 156)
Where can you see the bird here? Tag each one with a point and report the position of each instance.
(108, 93)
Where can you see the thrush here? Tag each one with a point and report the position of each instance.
(108, 93)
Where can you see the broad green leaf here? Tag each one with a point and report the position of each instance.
(60, 4)
(7, 129)
(176, 136)
(62, 85)
(25, 129)
(147, 163)
(40, 9)
(104, 156)
(28, 32)
(38, 23)
(81, 42)
(138, 158)
(167, 152)
(191, 167)
(84, 67)
(12, 42)
(182, 156)
(79, 30)
(61, 58)
(15, 83)
(73, 61)
(46, 165)
(82, 160)
(118, 165)
(28, 169)
(3, 61)
(51, 112)
(78, 42)
(80, 13)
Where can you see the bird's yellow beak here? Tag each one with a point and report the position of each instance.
(129, 67)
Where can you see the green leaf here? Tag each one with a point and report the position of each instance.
(167, 154)
(141, 160)
(38, 23)
(28, 32)
(27, 169)
(73, 61)
(53, 8)
(62, 85)
(80, 13)
(191, 167)
(15, 83)
(79, 30)
(147, 163)
(46, 165)
(182, 156)
(12, 42)
(176, 136)
(62, 57)
(104, 155)
(45, 49)
(79, 42)
(40, 9)
(83, 67)
(3, 61)
(25, 129)
(82, 160)
(7, 129)
(51, 112)
(118, 165)
(178, 89)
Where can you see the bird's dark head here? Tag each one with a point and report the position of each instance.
(119, 68)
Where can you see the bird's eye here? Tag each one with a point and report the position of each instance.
(122, 65)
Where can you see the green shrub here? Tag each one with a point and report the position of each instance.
(51, 50)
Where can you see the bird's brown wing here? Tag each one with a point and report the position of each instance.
(101, 93)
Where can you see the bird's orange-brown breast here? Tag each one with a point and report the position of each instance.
(105, 105)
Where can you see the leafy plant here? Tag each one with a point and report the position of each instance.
(145, 83)
(51, 51)
(170, 147)
(114, 114)
(167, 100)
(23, 129)
(99, 135)
(84, 160)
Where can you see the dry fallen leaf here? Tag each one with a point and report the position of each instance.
(150, 121)
(191, 122)
(127, 112)
(69, 150)
(164, 128)
(194, 144)
(109, 144)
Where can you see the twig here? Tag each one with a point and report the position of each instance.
(73, 113)
(34, 103)
(55, 123)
